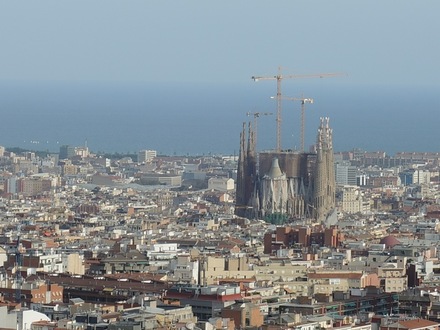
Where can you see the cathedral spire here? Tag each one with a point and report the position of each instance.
(324, 179)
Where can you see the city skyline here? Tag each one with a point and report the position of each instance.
(316, 222)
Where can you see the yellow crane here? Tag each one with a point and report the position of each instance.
(256, 116)
(303, 100)
(279, 78)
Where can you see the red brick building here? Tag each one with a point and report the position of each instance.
(286, 237)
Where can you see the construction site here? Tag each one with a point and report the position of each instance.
(282, 186)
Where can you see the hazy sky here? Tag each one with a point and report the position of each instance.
(374, 41)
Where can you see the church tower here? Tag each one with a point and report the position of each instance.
(246, 174)
(324, 186)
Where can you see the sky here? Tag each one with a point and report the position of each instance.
(373, 42)
(153, 61)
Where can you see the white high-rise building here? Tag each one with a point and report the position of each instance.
(353, 201)
(146, 155)
(421, 177)
(345, 174)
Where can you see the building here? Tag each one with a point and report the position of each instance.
(414, 176)
(168, 316)
(24, 319)
(108, 288)
(36, 292)
(414, 324)
(34, 186)
(69, 169)
(361, 180)
(329, 281)
(407, 177)
(67, 152)
(206, 302)
(287, 237)
(221, 184)
(324, 188)
(370, 301)
(353, 201)
(145, 156)
(346, 174)
(82, 152)
(421, 177)
(274, 195)
(105, 180)
(186, 270)
(393, 276)
(245, 202)
(297, 168)
(214, 268)
(161, 179)
(286, 184)
(10, 185)
(244, 315)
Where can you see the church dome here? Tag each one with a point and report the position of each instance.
(389, 241)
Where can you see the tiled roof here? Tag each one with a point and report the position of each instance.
(417, 323)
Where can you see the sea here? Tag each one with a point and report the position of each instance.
(206, 118)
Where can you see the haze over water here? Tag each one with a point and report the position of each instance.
(197, 118)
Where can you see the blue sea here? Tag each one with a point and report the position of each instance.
(206, 118)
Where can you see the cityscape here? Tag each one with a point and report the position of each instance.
(219, 165)
(272, 239)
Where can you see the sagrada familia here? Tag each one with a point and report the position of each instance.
(279, 186)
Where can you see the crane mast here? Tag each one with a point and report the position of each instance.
(279, 77)
(257, 115)
(303, 100)
(303, 119)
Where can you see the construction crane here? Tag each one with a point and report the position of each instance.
(303, 100)
(279, 78)
(256, 116)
